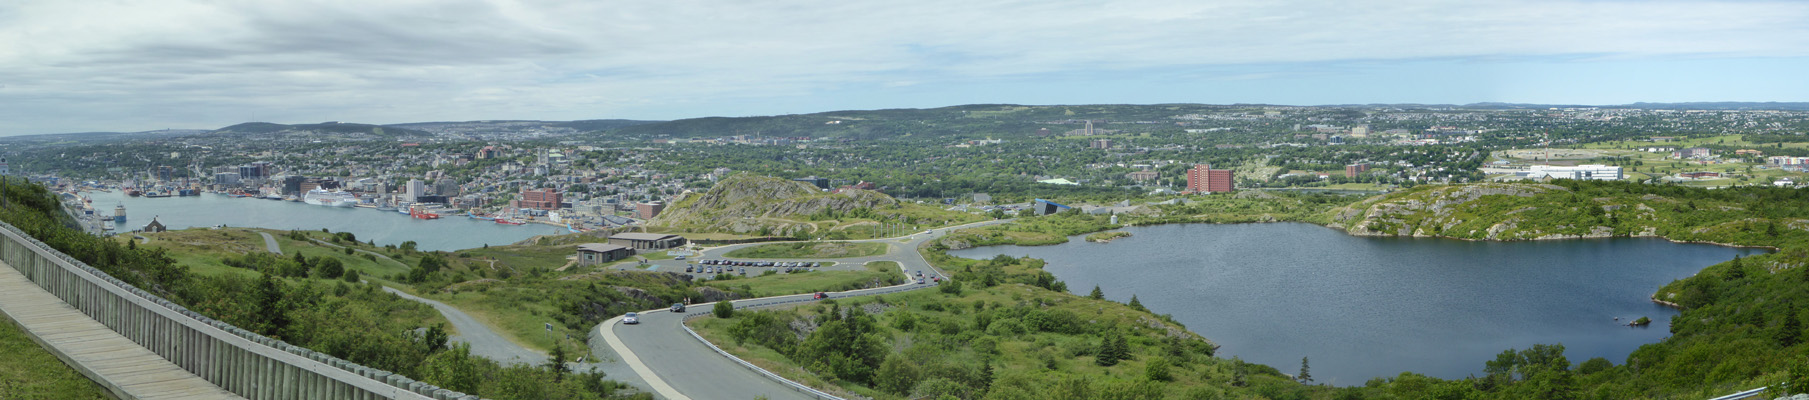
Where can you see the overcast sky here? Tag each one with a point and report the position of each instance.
(95, 65)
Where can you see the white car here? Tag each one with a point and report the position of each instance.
(631, 319)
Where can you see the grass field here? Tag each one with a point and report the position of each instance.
(29, 372)
(811, 250)
(820, 281)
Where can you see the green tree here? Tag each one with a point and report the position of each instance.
(272, 308)
(845, 348)
(1137, 304)
(556, 363)
(1157, 370)
(1097, 294)
(452, 369)
(408, 246)
(431, 263)
(1790, 331)
(897, 376)
(351, 276)
(1305, 375)
(1109, 353)
(434, 338)
(950, 287)
(724, 310)
(330, 268)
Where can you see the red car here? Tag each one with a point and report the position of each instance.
(819, 296)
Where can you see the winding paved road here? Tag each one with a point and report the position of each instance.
(677, 366)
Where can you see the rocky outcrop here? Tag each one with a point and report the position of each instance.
(749, 203)
(1433, 212)
(637, 294)
(706, 294)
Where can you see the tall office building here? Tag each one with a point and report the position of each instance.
(1203, 179)
(415, 190)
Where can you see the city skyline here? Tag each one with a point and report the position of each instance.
(143, 66)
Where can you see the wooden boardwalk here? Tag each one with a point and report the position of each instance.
(126, 369)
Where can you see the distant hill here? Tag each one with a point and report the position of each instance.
(518, 128)
(342, 130)
(96, 137)
(1722, 105)
(973, 120)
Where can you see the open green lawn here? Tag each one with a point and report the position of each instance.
(518, 258)
(884, 272)
(517, 314)
(811, 250)
(29, 372)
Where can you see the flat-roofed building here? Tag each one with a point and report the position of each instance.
(647, 241)
(1588, 172)
(1203, 179)
(598, 253)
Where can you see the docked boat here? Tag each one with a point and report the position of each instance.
(330, 198)
(508, 222)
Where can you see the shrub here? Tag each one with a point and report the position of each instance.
(724, 310)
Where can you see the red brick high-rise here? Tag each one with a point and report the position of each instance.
(544, 199)
(1203, 179)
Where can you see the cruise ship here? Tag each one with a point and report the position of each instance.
(330, 198)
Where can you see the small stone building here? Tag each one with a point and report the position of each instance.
(598, 253)
(155, 226)
(647, 241)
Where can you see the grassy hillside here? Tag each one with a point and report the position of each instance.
(29, 372)
(1752, 216)
(768, 206)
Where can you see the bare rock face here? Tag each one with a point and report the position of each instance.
(706, 294)
(637, 294)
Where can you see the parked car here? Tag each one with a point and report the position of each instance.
(937, 279)
(920, 281)
(688, 268)
(678, 307)
(631, 319)
(680, 258)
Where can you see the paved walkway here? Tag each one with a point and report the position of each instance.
(270, 243)
(123, 367)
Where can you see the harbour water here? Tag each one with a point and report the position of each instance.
(385, 227)
(1362, 308)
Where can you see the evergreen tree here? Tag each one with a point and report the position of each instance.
(1097, 294)
(557, 363)
(1736, 271)
(1108, 350)
(1304, 376)
(1137, 304)
(1790, 331)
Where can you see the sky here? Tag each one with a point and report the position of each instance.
(104, 65)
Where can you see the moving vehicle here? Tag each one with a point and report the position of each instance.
(678, 307)
(819, 296)
(631, 319)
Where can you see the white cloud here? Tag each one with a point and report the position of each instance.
(81, 65)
